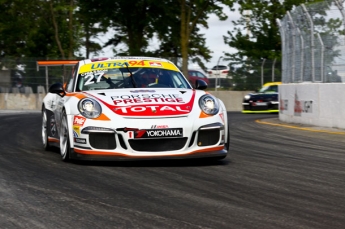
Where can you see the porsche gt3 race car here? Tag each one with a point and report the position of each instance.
(133, 108)
(264, 101)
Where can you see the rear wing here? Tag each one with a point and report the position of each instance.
(47, 63)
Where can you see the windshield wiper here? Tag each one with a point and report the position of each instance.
(131, 75)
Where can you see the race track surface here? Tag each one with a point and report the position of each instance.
(274, 177)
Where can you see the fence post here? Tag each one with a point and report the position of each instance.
(262, 72)
(311, 41)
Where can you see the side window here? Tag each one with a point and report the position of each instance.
(200, 75)
(70, 85)
(73, 77)
(272, 89)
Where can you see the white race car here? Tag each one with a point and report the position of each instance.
(133, 108)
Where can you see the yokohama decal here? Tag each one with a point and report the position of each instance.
(157, 133)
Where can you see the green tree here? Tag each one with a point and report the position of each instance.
(174, 23)
(256, 34)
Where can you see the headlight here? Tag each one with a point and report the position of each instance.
(89, 108)
(209, 104)
(246, 97)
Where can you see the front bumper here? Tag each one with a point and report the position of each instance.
(263, 107)
(117, 143)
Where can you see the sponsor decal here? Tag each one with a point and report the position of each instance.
(160, 104)
(302, 106)
(80, 140)
(308, 106)
(142, 91)
(156, 133)
(222, 116)
(78, 121)
(103, 66)
(76, 131)
(52, 125)
(151, 109)
(298, 106)
(283, 105)
(155, 64)
(159, 126)
(146, 98)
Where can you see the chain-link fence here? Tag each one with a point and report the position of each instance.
(24, 75)
(313, 43)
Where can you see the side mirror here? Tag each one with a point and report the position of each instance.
(57, 88)
(200, 84)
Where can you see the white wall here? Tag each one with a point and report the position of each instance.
(318, 104)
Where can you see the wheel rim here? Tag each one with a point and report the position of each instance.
(44, 128)
(63, 137)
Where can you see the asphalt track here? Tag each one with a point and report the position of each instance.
(276, 176)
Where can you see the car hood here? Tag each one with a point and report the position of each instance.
(147, 102)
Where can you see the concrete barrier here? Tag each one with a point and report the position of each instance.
(232, 99)
(318, 104)
(29, 101)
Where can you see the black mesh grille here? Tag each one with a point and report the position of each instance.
(102, 140)
(208, 137)
(155, 145)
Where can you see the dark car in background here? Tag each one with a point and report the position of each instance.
(197, 75)
(264, 101)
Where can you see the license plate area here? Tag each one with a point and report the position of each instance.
(260, 104)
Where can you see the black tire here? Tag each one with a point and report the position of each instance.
(45, 141)
(227, 144)
(65, 149)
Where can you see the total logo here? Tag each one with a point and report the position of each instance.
(79, 121)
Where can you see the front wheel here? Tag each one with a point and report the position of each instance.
(65, 148)
(227, 145)
(45, 141)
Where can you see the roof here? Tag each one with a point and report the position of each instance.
(272, 83)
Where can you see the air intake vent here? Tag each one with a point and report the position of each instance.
(102, 140)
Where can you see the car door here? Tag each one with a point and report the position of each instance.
(60, 100)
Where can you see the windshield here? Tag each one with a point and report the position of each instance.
(219, 67)
(129, 77)
(269, 89)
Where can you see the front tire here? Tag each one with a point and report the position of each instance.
(45, 141)
(65, 147)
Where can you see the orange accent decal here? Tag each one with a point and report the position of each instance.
(102, 117)
(208, 150)
(204, 115)
(50, 139)
(57, 62)
(95, 152)
(76, 94)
